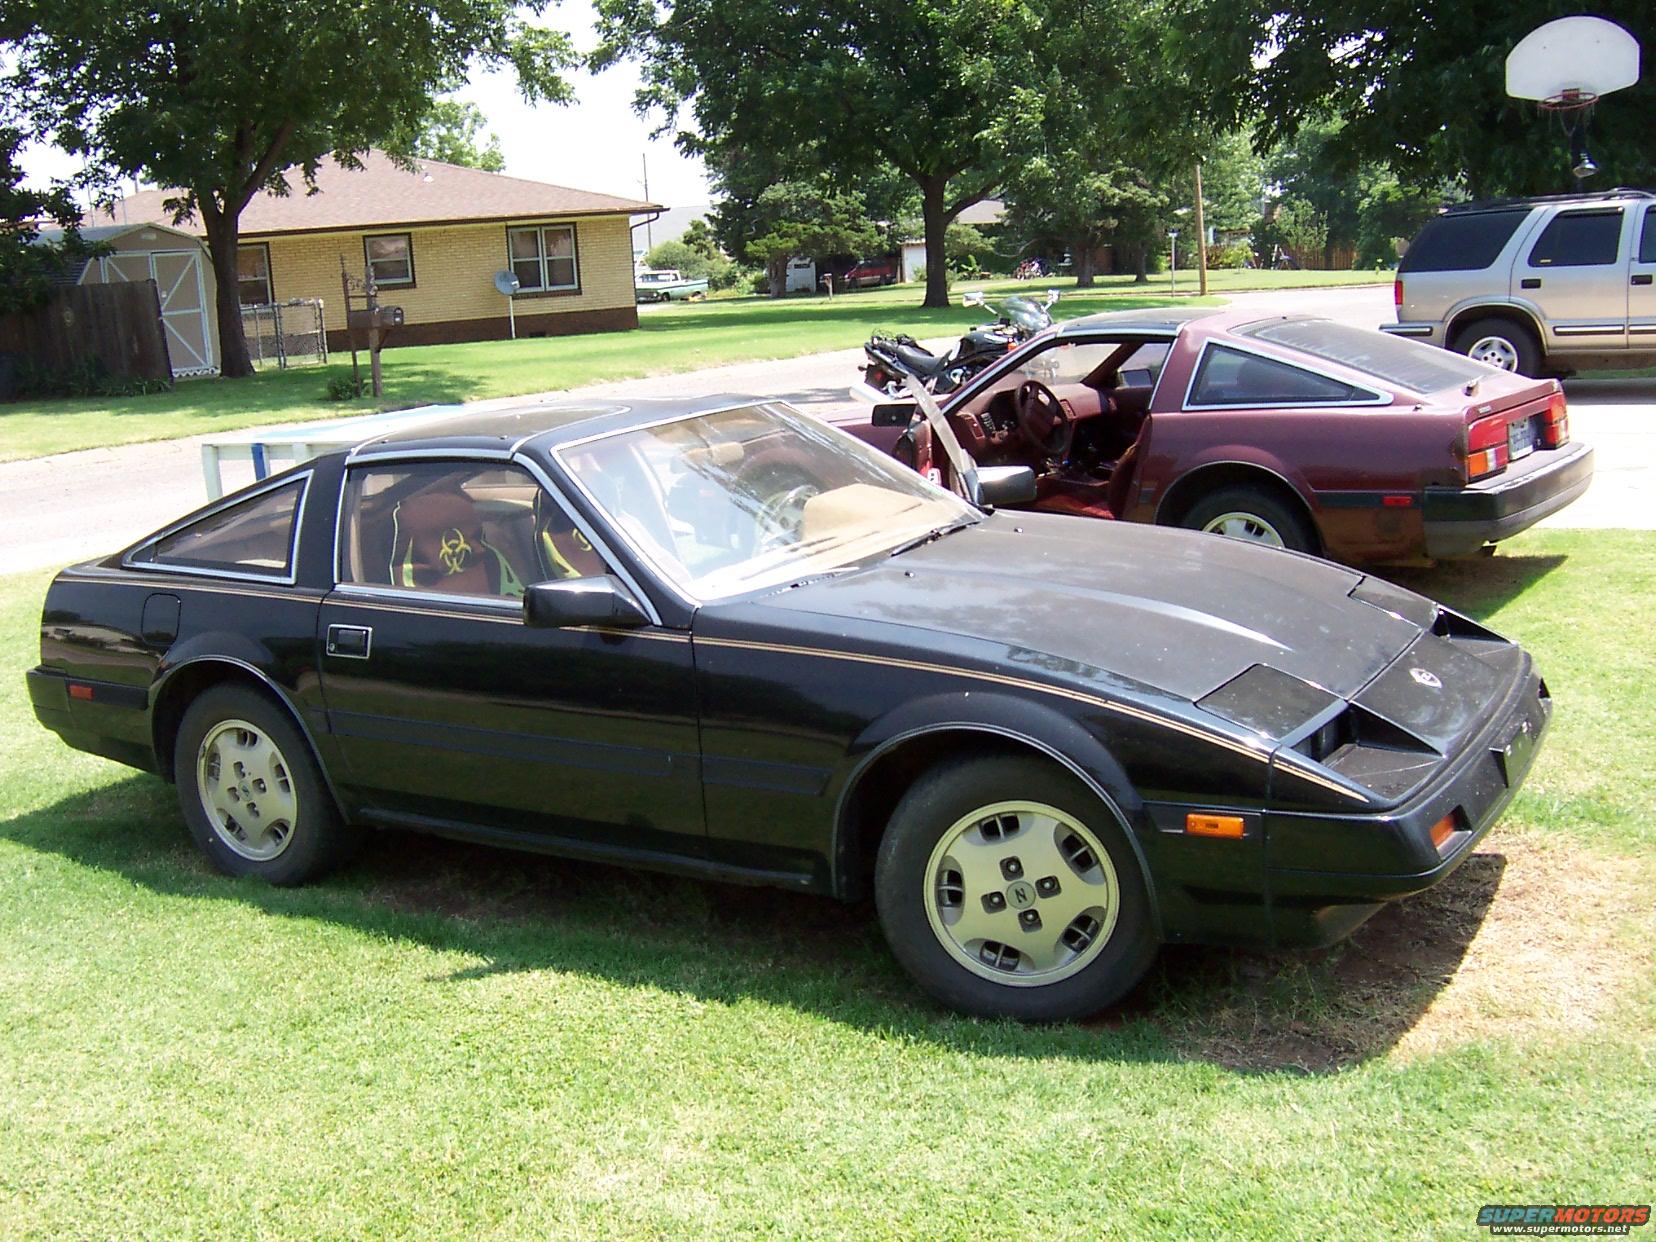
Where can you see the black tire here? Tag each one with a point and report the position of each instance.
(938, 801)
(1267, 508)
(315, 840)
(1508, 338)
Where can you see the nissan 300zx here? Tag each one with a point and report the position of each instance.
(727, 640)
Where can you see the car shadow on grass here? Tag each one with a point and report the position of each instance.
(1481, 585)
(1292, 1012)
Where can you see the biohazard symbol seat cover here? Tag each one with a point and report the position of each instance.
(565, 550)
(438, 545)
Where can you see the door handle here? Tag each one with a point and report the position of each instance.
(1642, 278)
(1530, 282)
(350, 642)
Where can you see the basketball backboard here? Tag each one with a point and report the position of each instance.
(1572, 59)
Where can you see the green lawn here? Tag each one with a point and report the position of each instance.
(679, 337)
(452, 1042)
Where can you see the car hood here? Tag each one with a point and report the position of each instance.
(1175, 610)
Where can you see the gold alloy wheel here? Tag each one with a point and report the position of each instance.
(1021, 893)
(246, 789)
(1249, 526)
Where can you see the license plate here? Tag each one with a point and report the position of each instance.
(1520, 439)
(1514, 754)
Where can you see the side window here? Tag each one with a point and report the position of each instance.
(1231, 377)
(1647, 243)
(456, 529)
(1579, 239)
(255, 536)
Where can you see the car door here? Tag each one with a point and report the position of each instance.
(1641, 286)
(447, 709)
(1575, 272)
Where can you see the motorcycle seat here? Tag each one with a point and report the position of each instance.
(921, 361)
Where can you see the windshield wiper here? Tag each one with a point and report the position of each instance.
(935, 533)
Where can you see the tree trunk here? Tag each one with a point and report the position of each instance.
(1086, 266)
(1141, 264)
(776, 272)
(935, 214)
(223, 240)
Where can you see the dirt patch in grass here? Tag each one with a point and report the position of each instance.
(1533, 938)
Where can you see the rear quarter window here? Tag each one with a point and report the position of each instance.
(254, 536)
(1462, 243)
(1236, 378)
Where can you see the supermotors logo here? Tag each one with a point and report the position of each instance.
(1558, 1219)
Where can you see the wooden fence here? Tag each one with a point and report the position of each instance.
(118, 325)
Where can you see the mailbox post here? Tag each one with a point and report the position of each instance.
(372, 318)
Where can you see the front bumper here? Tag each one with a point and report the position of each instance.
(1460, 520)
(1313, 900)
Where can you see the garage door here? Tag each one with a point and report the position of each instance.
(182, 284)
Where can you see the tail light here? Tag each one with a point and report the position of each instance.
(1486, 448)
(1555, 423)
(1397, 293)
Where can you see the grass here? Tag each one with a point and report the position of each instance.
(675, 337)
(452, 1042)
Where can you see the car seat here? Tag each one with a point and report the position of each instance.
(438, 544)
(563, 550)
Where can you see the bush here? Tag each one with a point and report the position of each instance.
(344, 388)
(1234, 254)
(85, 377)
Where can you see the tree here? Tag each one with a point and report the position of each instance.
(919, 85)
(698, 235)
(28, 264)
(449, 132)
(803, 218)
(217, 99)
(1422, 90)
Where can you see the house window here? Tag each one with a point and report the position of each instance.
(390, 258)
(253, 275)
(543, 258)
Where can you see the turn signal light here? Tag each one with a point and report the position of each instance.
(1213, 825)
(1555, 423)
(1443, 830)
(1486, 448)
(1397, 292)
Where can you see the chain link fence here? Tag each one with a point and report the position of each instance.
(284, 334)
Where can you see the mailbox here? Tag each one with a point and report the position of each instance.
(389, 317)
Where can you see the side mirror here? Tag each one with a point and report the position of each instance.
(602, 600)
(893, 414)
(1052, 296)
(975, 298)
(1005, 485)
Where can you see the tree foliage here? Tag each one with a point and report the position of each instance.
(1422, 89)
(452, 132)
(217, 99)
(28, 262)
(917, 85)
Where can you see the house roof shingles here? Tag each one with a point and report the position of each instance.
(382, 195)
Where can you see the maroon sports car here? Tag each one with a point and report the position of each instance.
(1290, 430)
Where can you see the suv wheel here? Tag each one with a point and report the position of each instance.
(1006, 889)
(1501, 343)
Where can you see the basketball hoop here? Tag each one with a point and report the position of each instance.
(1564, 66)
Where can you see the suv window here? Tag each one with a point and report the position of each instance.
(1466, 242)
(1647, 243)
(1231, 377)
(456, 529)
(1579, 239)
(254, 536)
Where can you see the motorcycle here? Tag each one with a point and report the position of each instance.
(891, 358)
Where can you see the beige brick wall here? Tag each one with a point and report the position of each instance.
(454, 267)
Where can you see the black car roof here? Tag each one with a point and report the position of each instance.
(540, 425)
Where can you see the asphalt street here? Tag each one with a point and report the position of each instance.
(73, 506)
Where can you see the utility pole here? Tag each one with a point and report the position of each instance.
(1201, 233)
(649, 233)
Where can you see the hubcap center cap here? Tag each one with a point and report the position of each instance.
(1020, 896)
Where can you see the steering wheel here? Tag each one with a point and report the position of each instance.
(1042, 418)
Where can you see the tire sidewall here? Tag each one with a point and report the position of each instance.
(318, 838)
(1297, 535)
(931, 806)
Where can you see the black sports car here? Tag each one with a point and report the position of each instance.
(728, 640)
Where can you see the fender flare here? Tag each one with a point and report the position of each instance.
(1042, 729)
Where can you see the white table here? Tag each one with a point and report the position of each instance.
(274, 449)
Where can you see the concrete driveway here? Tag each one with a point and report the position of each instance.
(61, 509)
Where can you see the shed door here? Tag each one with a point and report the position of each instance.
(182, 286)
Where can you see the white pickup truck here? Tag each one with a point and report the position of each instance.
(666, 285)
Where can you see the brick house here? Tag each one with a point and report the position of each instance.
(434, 238)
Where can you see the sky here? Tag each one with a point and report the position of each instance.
(596, 143)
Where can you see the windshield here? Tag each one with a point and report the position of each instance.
(744, 499)
(1402, 363)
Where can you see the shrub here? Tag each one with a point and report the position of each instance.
(344, 388)
(1234, 254)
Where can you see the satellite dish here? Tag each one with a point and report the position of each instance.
(506, 282)
(1572, 61)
